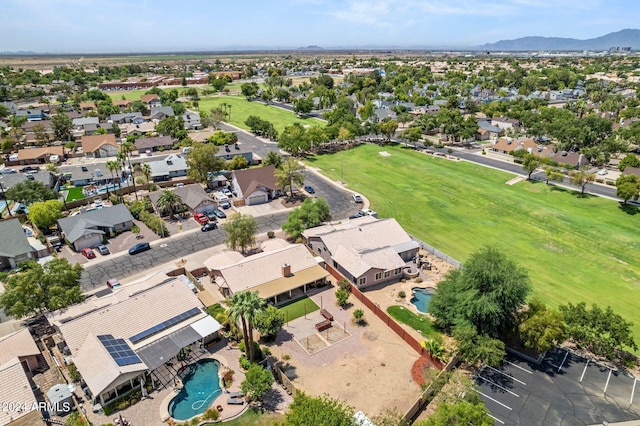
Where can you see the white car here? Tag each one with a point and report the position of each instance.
(369, 212)
(357, 198)
(602, 172)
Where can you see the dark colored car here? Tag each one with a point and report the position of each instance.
(310, 189)
(356, 215)
(212, 216)
(102, 249)
(209, 226)
(219, 213)
(139, 248)
(30, 169)
(88, 253)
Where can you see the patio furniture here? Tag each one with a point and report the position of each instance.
(238, 394)
(326, 314)
(235, 401)
(323, 325)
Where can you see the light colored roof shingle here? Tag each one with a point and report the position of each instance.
(15, 392)
(74, 227)
(17, 344)
(13, 242)
(93, 143)
(250, 179)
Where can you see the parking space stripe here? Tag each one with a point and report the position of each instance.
(607, 384)
(565, 358)
(521, 368)
(494, 400)
(508, 375)
(498, 386)
(584, 371)
(633, 390)
(495, 418)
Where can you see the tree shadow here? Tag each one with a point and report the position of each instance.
(272, 399)
(629, 209)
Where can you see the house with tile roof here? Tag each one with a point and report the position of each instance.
(193, 197)
(37, 155)
(20, 345)
(100, 146)
(366, 251)
(118, 337)
(283, 273)
(14, 245)
(155, 143)
(255, 186)
(151, 100)
(508, 145)
(17, 390)
(88, 229)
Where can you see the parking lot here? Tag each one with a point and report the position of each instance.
(565, 389)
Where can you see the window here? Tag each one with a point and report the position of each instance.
(335, 264)
(397, 271)
(378, 276)
(387, 274)
(362, 281)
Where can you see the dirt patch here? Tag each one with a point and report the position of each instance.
(295, 201)
(384, 154)
(516, 180)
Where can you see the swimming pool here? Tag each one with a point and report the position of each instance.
(201, 388)
(421, 297)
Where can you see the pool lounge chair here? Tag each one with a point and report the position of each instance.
(238, 394)
(235, 401)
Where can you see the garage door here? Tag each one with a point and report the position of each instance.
(256, 199)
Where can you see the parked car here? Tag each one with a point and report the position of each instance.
(139, 248)
(103, 250)
(7, 171)
(209, 226)
(226, 192)
(356, 215)
(219, 213)
(357, 198)
(310, 189)
(27, 231)
(211, 216)
(602, 172)
(88, 253)
(148, 152)
(29, 169)
(200, 218)
(113, 283)
(29, 176)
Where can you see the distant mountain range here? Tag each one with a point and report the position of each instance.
(624, 38)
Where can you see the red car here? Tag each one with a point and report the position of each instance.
(200, 218)
(88, 253)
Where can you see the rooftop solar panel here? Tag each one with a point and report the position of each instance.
(119, 350)
(164, 325)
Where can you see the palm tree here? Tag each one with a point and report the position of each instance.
(112, 166)
(146, 172)
(126, 148)
(246, 306)
(168, 201)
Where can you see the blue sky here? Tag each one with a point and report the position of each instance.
(108, 26)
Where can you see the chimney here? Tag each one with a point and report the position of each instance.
(286, 270)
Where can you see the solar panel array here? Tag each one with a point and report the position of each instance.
(119, 350)
(164, 325)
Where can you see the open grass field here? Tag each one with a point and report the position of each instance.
(575, 248)
(420, 323)
(241, 109)
(298, 308)
(75, 193)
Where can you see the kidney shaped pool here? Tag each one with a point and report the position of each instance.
(201, 388)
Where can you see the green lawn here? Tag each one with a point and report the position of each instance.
(420, 323)
(241, 109)
(298, 308)
(75, 193)
(575, 248)
(254, 418)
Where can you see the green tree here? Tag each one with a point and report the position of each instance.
(249, 90)
(291, 172)
(294, 139)
(412, 134)
(241, 231)
(37, 289)
(202, 160)
(318, 411)
(358, 316)
(581, 179)
(475, 348)
(553, 174)
(169, 201)
(630, 160)
(270, 322)
(628, 187)
(273, 159)
(126, 148)
(487, 293)
(388, 128)
(302, 106)
(172, 126)
(603, 332)
(45, 214)
(342, 296)
(30, 191)
(530, 163)
(246, 306)
(312, 212)
(257, 382)
(238, 162)
(62, 125)
(113, 166)
(542, 329)
(461, 413)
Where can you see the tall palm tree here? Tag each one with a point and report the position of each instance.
(146, 172)
(253, 305)
(236, 312)
(126, 148)
(112, 166)
(168, 201)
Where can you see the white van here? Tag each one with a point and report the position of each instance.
(223, 200)
(55, 159)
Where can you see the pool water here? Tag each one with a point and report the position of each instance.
(201, 388)
(421, 298)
